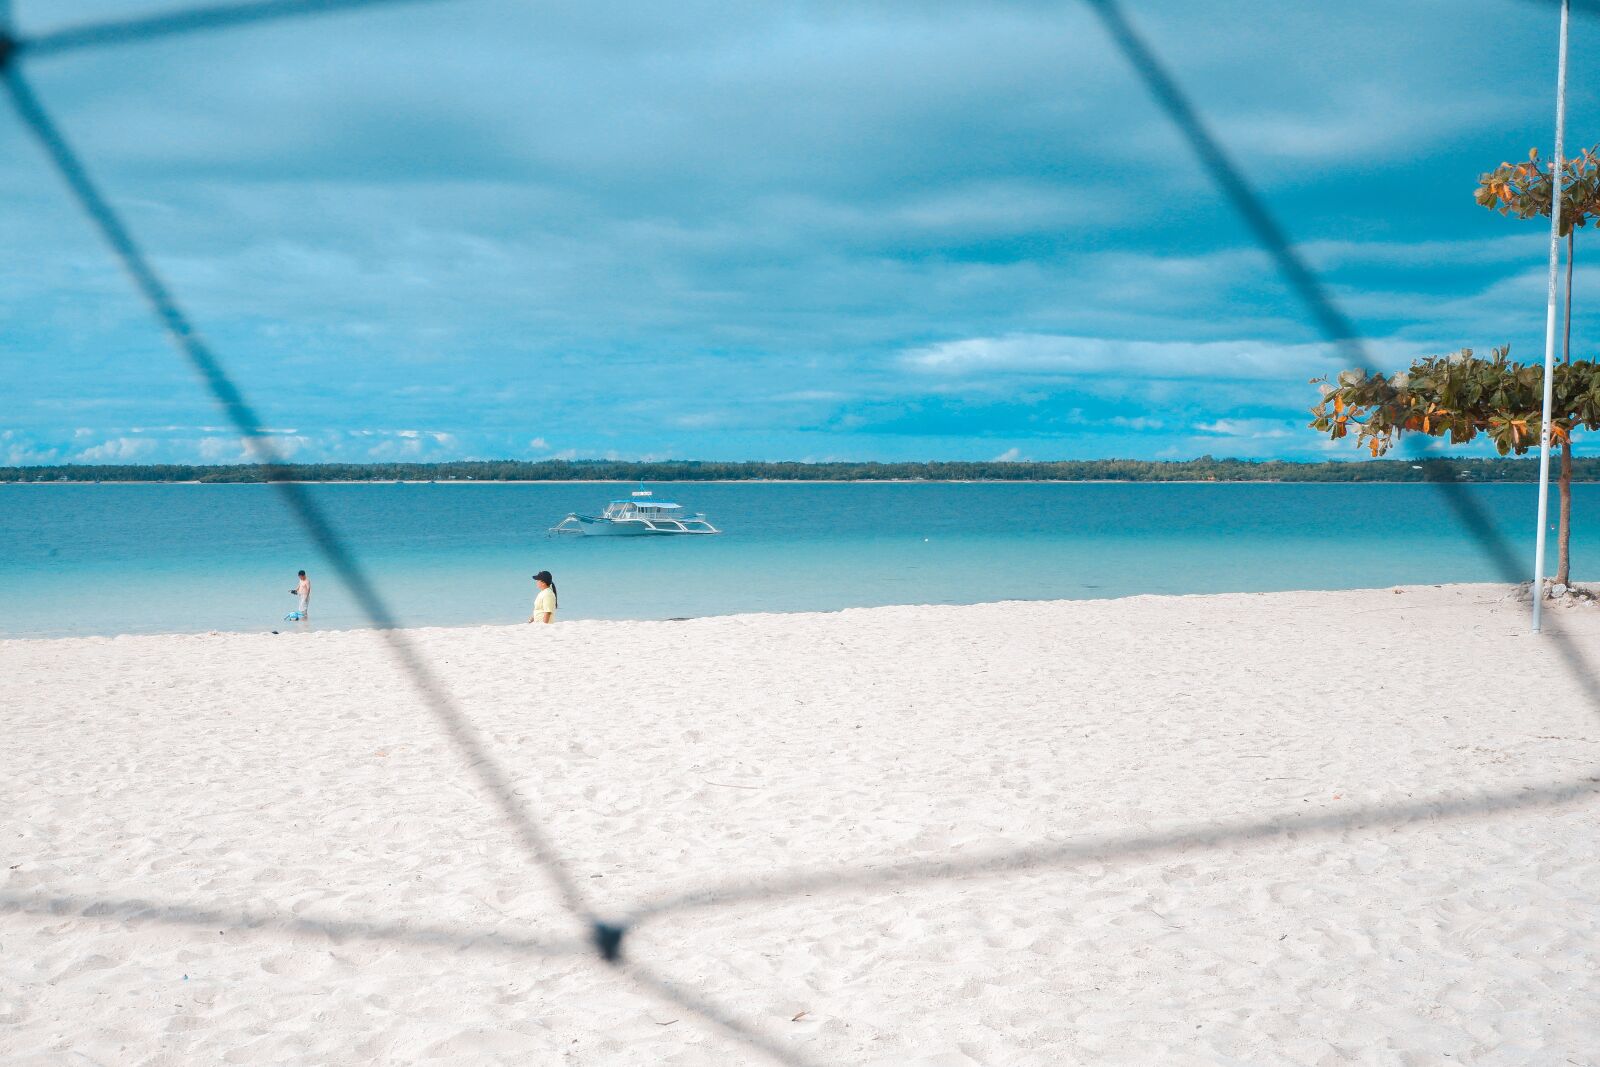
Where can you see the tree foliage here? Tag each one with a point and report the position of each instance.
(1524, 189)
(1528, 191)
(1203, 469)
(1459, 397)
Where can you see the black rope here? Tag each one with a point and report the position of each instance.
(1228, 179)
(1324, 311)
(188, 20)
(295, 497)
(608, 941)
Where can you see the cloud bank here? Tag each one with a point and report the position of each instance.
(876, 230)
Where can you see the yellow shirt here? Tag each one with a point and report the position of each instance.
(545, 603)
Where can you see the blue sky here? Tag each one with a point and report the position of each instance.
(806, 231)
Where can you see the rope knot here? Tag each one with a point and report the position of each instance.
(608, 941)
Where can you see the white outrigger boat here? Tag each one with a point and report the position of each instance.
(632, 518)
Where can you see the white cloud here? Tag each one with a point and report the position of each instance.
(1511, 250)
(783, 216)
(1010, 455)
(803, 396)
(1055, 354)
(699, 420)
(1255, 429)
(117, 450)
(18, 450)
(222, 450)
(411, 445)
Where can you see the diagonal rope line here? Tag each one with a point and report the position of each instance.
(1334, 324)
(1336, 327)
(607, 938)
(300, 504)
(188, 20)
(1226, 176)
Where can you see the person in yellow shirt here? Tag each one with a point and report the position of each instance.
(544, 605)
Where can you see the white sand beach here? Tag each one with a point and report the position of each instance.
(1300, 828)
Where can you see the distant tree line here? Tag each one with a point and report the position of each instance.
(1204, 469)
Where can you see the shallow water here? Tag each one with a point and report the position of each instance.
(107, 559)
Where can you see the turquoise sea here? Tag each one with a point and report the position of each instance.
(110, 559)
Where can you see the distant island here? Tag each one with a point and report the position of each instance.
(1204, 469)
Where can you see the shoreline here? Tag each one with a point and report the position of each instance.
(1507, 590)
(822, 481)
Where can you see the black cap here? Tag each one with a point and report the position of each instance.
(544, 576)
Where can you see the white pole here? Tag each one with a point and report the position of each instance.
(1550, 322)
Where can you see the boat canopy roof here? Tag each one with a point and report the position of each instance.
(647, 504)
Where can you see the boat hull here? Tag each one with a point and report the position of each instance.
(607, 528)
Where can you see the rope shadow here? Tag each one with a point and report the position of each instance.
(170, 913)
(133, 911)
(138, 911)
(720, 1019)
(1288, 826)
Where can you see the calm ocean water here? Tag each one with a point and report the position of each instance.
(108, 559)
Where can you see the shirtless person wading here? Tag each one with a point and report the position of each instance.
(303, 591)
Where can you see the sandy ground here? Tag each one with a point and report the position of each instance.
(1306, 828)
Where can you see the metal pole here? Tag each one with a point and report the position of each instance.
(1550, 322)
